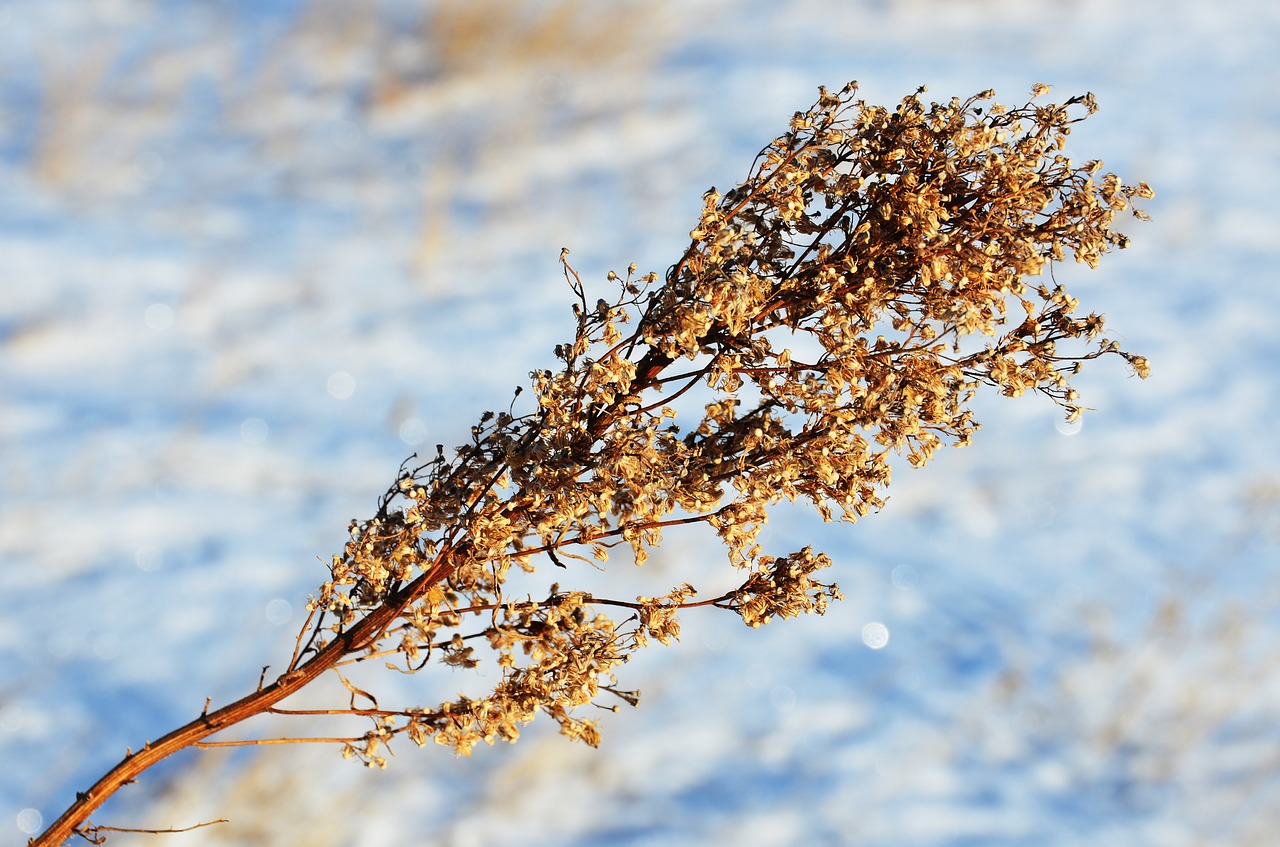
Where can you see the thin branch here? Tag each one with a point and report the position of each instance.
(256, 742)
(92, 833)
(297, 645)
(407, 713)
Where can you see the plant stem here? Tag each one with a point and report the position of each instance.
(364, 631)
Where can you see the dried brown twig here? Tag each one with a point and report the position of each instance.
(94, 834)
(842, 305)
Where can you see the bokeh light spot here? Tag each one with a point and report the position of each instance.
(1066, 427)
(782, 697)
(905, 577)
(254, 430)
(340, 385)
(413, 431)
(30, 821)
(150, 165)
(279, 611)
(875, 635)
(149, 557)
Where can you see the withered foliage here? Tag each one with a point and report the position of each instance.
(875, 269)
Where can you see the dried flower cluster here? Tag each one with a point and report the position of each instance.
(823, 318)
(842, 305)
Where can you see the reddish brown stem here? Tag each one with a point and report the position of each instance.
(133, 764)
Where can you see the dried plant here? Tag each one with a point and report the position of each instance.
(841, 306)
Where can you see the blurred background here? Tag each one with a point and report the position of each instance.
(254, 254)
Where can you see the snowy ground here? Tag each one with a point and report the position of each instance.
(253, 254)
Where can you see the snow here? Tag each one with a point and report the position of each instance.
(245, 246)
